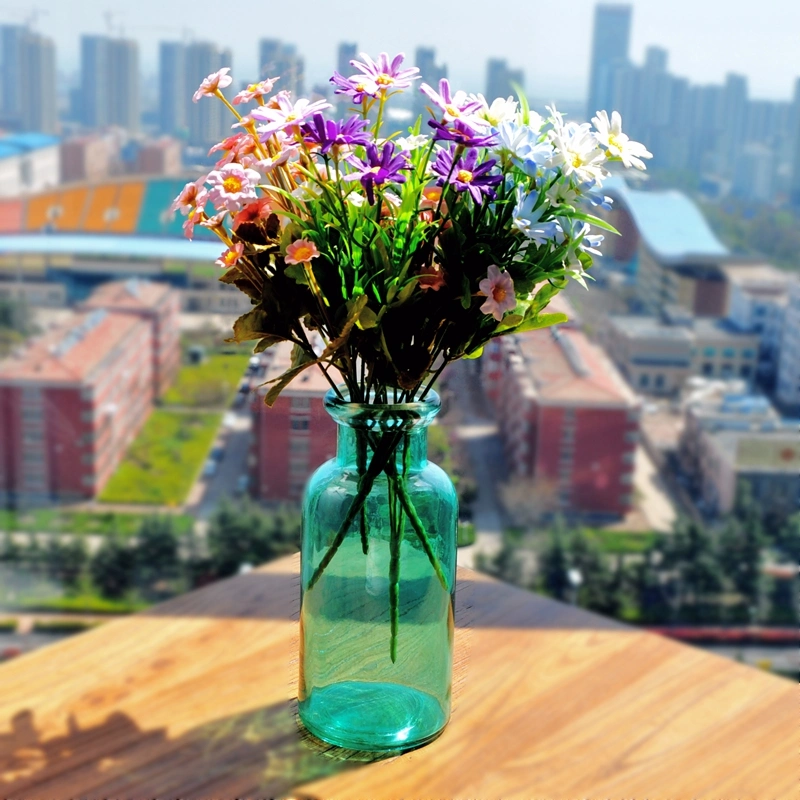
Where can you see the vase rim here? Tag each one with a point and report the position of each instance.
(414, 414)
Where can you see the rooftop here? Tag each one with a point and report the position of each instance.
(131, 293)
(722, 329)
(109, 246)
(671, 225)
(764, 451)
(69, 353)
(644, 327)
(19, 143)
(565, 367)
(309, 382)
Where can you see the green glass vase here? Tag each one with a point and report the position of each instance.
(378, 583)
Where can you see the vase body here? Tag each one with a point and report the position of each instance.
(376, 627)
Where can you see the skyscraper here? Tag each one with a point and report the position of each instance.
(500, 80)
(279, 58)
(430, 73)
(346, 52)
(109, 82)
(208, 120)
(794, 190)
(172, 88)
(28, 90)
(610, 47)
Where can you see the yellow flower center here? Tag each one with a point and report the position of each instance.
(464, 175)
(577, 161)
(232, 184)
(384, 80)
(375, 170)
(252, 87)
(303, 253)
(230, 257)
(614, 142)
(498, 294)
(291, 117)
(452, 111)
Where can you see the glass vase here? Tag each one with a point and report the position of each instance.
(378, 582)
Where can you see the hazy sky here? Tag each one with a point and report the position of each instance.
(550, 40)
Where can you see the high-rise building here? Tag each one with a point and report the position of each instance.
(500, 80)
(208, 120)
(28, 82)
(279, 58)
(346, 52)
(172, 88)
(794, 191)
(610, 47)
(431, 73)
(110, 82)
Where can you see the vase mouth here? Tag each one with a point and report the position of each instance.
(382, 416)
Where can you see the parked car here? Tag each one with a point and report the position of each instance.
(218, 452)
(209, 468)
(228, 419)
(242, 483)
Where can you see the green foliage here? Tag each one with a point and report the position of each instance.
(63, 626)
(112, 568)
(8, 625)
(211, 384)
(162, 463)
(243, 534)
(466, 534)
(65, 562)
(156, 554)
(57, 520)
(554, 566)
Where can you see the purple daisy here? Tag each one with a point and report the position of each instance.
(467, 175)
(379, 168)
(327, 134)
(461, 134)
(385, 74)
(359, 87)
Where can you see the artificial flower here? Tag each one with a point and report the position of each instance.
(232, 185)
(301, 252)
(192, 195)
(616, 143)
(230, 256)
(380, 167)
(456, 107)
(467, 174)
(255, 91)
(385, 74)
(213, 83)
(499, 290)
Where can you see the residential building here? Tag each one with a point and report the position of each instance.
(610, 47)
(293, 437)
(29, 163)
(173, 86)
(787, 391)
(110, 83)
(280, 58)
(655, 358)
(723, 350)
(160, 306)
(568, 420)
(87, 158)
(758, 297)
(794, 187)
(345, 53)
(501, 80)
(71, 402)
(160, 157)
(208, 122)
(768, 462)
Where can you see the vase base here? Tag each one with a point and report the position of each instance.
(377, 717)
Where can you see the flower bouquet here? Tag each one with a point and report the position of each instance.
(384, 256)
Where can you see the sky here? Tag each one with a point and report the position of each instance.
(549, 40)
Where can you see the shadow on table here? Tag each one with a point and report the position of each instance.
(260, 752)
(479, 604)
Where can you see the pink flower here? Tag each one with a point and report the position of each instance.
(431, 278)
(235, 147)
(193, 217)
(301, 252)
(215, 221)
(230, 256)
(255, 90)
(232, 185)
(213, 83)
(499, 290)
(253, 212)
(193, 194)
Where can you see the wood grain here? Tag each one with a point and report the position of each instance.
(193, 699)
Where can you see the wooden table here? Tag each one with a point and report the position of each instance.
(193, 699)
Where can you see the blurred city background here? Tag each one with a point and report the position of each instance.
(641, 460)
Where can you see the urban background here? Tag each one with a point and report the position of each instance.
(641, 460)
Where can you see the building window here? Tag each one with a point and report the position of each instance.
(708, 369)
(301, 403)
(727, 371)
(299, 423)
(659, 382)
(298, 445)
(749, 354)
(745, 371)
(709, 352)
(729, 352)
(644, 380)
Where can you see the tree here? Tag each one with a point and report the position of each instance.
(65, 562)
(648, 591)
(10, 551)
(156, 553)
(741, 546)
(554, 566)
(789, 538)
(112, 568)
(247, 535)
(600, 589)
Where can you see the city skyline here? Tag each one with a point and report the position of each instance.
(703, 45)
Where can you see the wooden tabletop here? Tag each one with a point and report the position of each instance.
(193, 699)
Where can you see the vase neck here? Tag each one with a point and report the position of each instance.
(356, 446)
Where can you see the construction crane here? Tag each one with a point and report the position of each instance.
(30, 14)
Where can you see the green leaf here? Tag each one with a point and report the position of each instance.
(297, 273)
(283, 381)
(523, 103)
(466, 297)
(367, 318)
(541, 321)
(596, 221)
(267, 342)
(301, 356)
(510, 321)
(252, 325)
(475, 353)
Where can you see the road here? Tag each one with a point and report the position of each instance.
(477, 428)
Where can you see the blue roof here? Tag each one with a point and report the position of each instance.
(671, 225)
(25, 142)
(110, 246)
